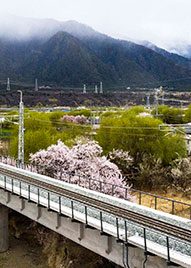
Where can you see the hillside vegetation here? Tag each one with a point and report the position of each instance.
(81, 55)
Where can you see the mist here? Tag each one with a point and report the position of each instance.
(19, 28)
(165, 23)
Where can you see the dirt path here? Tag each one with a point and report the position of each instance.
(21, 254)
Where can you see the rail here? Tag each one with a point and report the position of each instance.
(173, 207)
(12, 182)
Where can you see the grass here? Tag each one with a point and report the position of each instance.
(4, 130)
(165, 205)
(4, 137)
(5, 134)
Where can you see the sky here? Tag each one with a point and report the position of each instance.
(159, 21)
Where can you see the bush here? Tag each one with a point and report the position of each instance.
(181, 174)
(170, 115)
(139, 135)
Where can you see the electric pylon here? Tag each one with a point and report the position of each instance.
(101, 87)
(36, 84)
(21, 130)
(8, 84)
(84, 89)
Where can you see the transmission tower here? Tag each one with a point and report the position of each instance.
(21, 130)
(148, 100)
(36, 84)
(96, 90)
(101, 87)
(84, 89)
(8, 84)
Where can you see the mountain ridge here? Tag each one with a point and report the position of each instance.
(82, 55)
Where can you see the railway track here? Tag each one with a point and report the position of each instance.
(143, 220)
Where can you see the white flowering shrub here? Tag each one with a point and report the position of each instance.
(122, 159)
(181, 174)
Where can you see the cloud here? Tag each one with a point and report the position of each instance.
(159, 21)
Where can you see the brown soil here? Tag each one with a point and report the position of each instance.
(34, 246)
(23, 254)
(165, 205)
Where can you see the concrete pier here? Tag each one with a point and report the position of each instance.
(4, 237)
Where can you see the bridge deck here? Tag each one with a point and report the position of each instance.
(76, 211)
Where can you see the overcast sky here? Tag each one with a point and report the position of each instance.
(159, 21)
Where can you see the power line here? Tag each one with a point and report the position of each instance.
(151, 83)
(16, 82)
(87, 126)
(115, 130)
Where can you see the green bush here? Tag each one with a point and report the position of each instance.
(139, 135)
(170, 115)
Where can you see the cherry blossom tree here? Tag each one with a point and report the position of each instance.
(82, 164)
(79, 119)
(122, 159)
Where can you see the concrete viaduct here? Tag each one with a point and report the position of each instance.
(80, 223)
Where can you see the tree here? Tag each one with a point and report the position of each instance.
(41, 131)
(122, 159)
(181, 173)
(85, 160)
(170, 115)
(85, 112)
(139, 135)
(187, 117)
(55, 118)
(79, 119)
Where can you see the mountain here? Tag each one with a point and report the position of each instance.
(65, 60)
(176, 58)
(181, 48)
(71, 54)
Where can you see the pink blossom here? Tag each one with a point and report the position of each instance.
(82, 164)
(79, 119)
(84, 160)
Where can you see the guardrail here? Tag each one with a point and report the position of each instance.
(14, 186)
(171, 206)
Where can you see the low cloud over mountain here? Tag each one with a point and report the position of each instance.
(70, 54)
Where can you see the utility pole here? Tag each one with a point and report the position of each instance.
(96, 90)
(101, 87)
(8, 84)
(21, 130)
(36, 84)
(156, 102)
(93, 119)
(84, 90)
(162, 98)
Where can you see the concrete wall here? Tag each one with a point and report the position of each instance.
(88, 238)
(4, 243)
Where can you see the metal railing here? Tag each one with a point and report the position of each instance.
(169, 205)
(14, 186)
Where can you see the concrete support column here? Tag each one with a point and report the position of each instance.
(4, 236)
